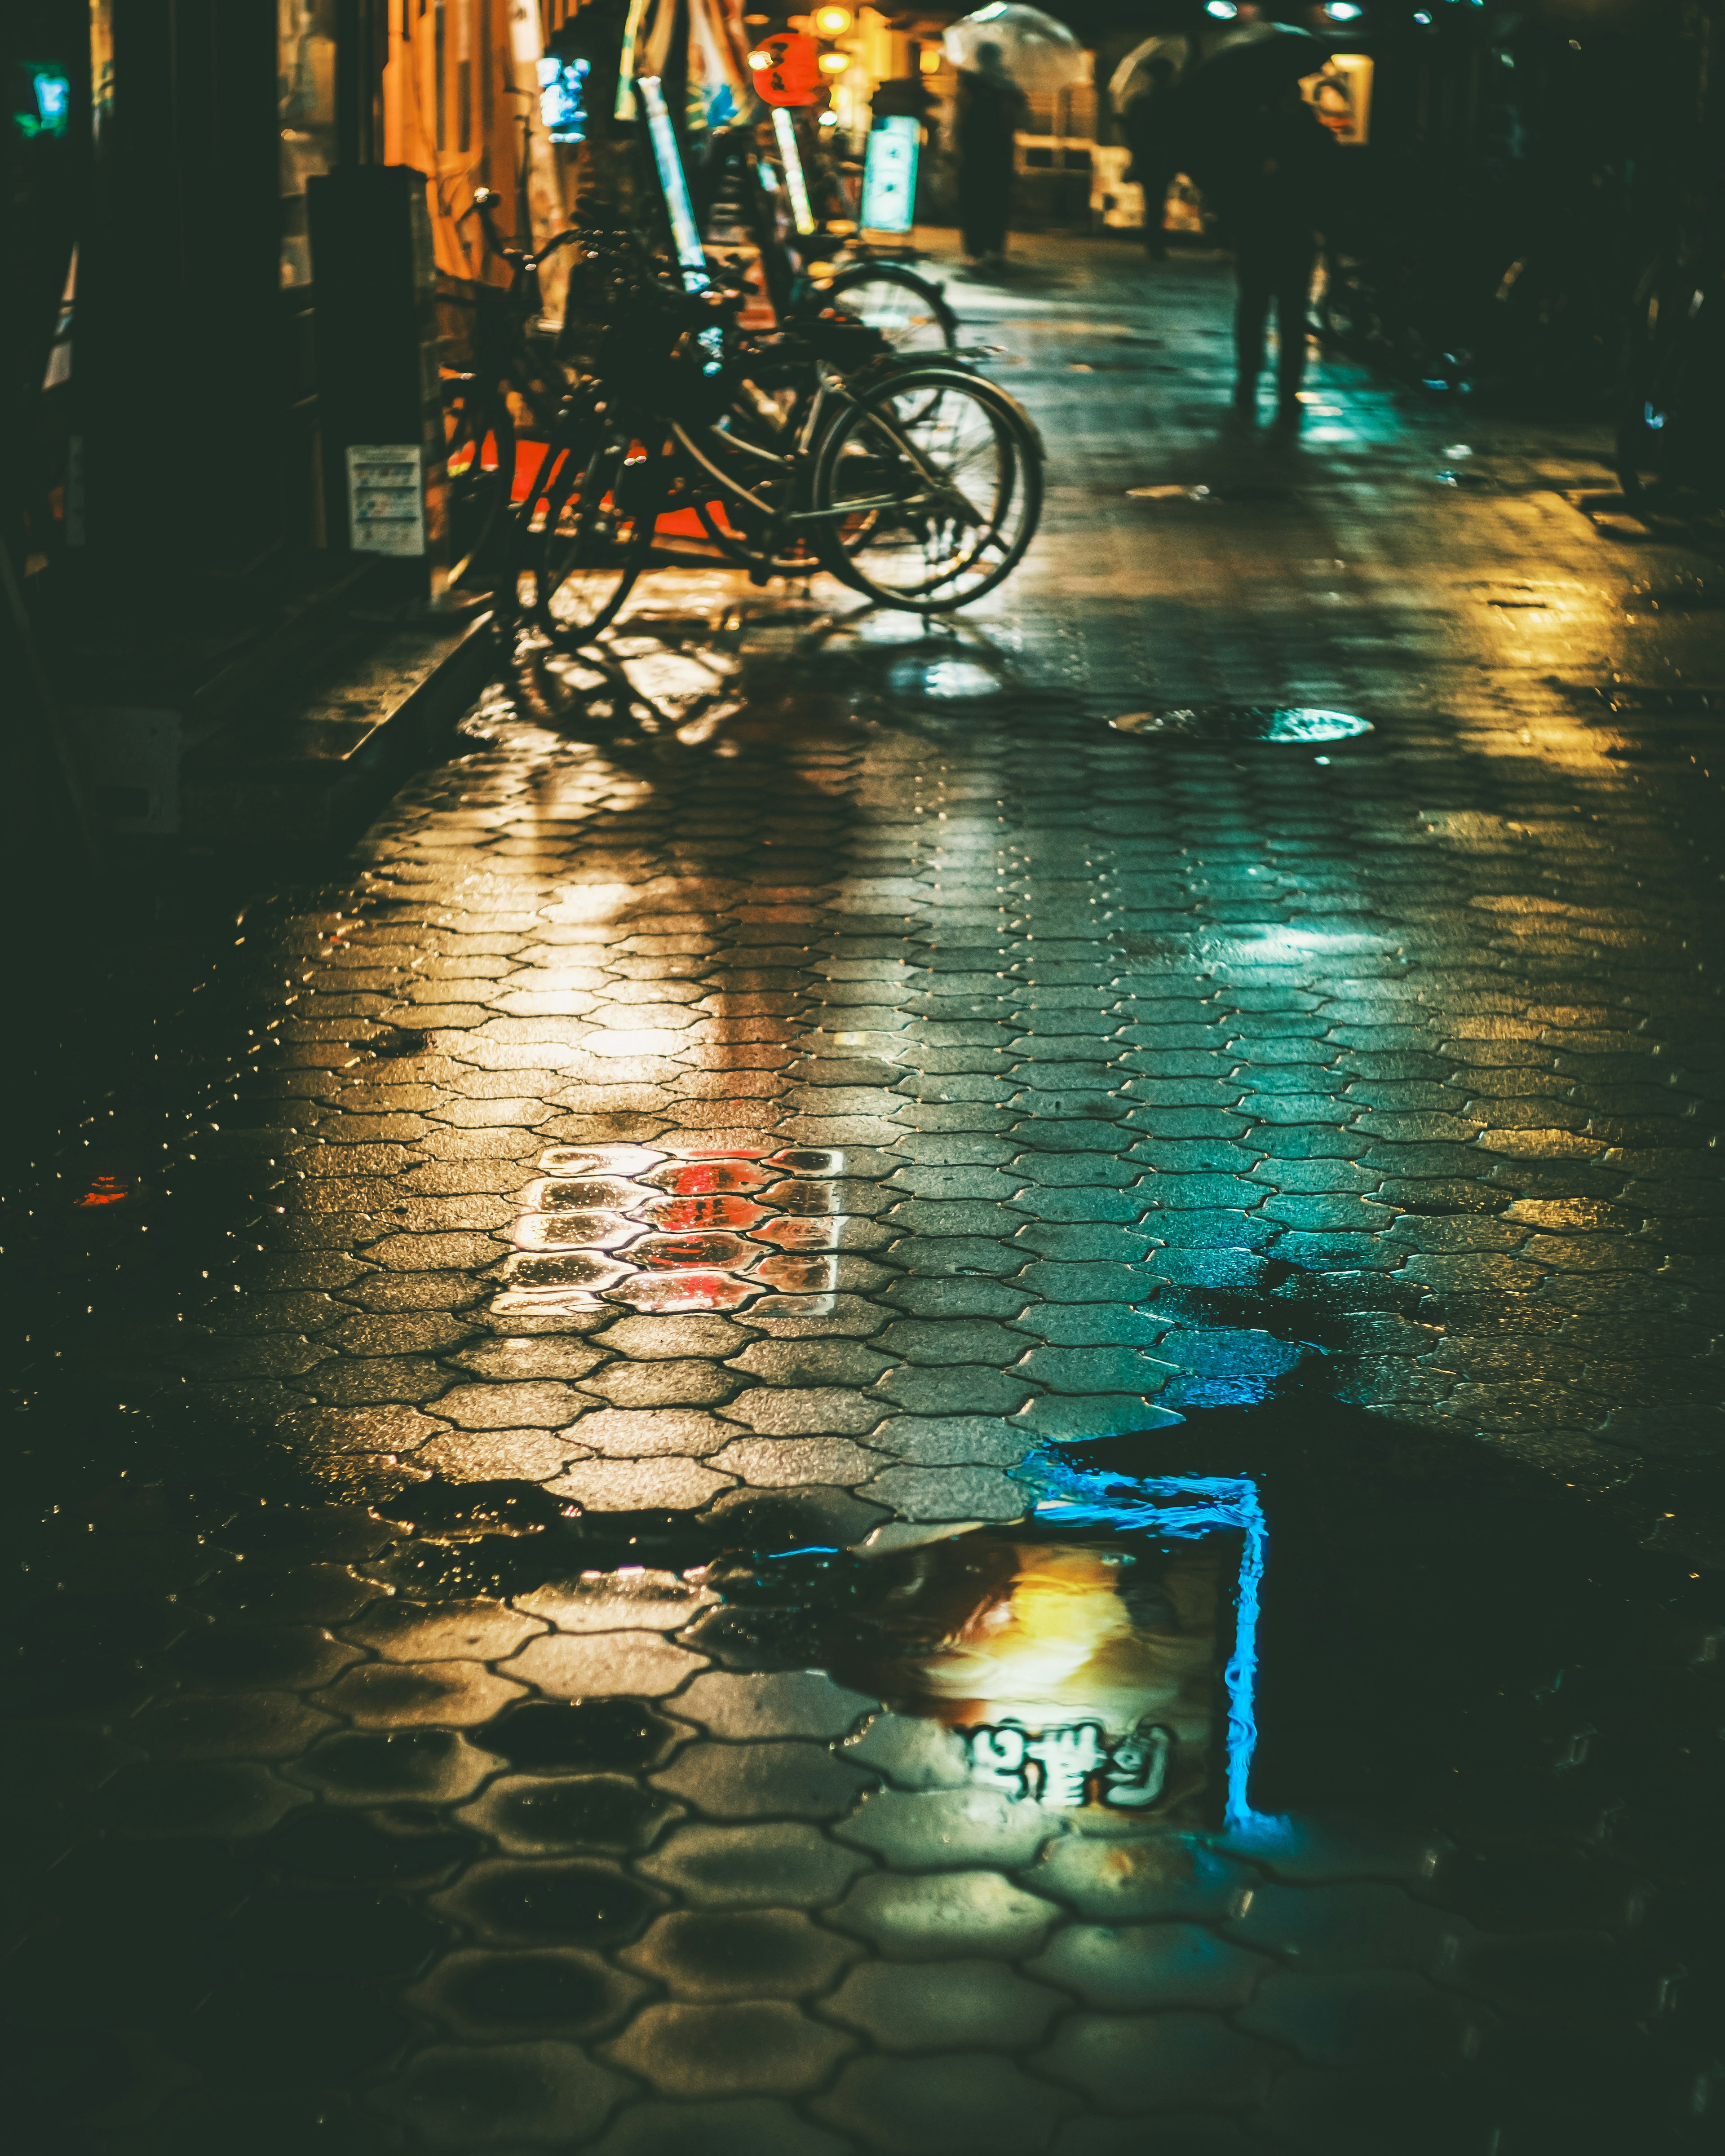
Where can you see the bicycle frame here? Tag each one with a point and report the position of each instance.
(831, 388)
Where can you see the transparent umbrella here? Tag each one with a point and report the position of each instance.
(1039, 54)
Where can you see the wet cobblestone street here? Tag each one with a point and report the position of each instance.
(845, 1413)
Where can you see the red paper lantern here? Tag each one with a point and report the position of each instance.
(792, 73)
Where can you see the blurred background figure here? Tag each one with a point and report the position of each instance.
(1268, 168)
(991, 108)
(1141, 90)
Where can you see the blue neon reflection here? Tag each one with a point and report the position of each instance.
(1185, 1506)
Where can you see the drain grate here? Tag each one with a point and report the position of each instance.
(1244, 723)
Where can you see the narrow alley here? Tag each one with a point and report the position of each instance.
(926, 1387)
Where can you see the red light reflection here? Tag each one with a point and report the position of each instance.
(105, 1190)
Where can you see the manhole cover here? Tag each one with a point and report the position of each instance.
(1265, 722)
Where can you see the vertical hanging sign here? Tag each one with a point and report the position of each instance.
(889, 196)
(686, 234)
(784, 128)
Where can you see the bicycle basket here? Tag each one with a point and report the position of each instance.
(654, 359)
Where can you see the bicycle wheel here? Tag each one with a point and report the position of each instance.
(929, 489)
(479, 465)
(909, 312)
(587, 529)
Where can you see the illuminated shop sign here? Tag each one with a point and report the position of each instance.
(49, 92)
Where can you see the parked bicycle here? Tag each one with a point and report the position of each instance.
(916, 481)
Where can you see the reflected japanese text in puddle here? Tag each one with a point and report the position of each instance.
(1092, 1656)
(674, 1233)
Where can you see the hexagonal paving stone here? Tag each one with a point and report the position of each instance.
(765, 2046)
(454, 1695)
(588, 1666)
(729, 1867)
(638, 1485)
(1138, 1965)
(499, 2096)
(943, 2006)
(944, 1915)
(933, 2107)
(755, 1953)
(762, 1780)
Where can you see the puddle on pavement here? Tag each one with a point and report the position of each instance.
(1280, 1777)
(1244, 722)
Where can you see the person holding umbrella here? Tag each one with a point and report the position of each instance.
(1267, 166)
(1002, 52)
(990, 110)
(1143, 92)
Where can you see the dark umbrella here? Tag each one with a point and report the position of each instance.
(1226, 103)
(1248, 68)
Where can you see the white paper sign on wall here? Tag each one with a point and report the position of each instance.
(386, 497)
